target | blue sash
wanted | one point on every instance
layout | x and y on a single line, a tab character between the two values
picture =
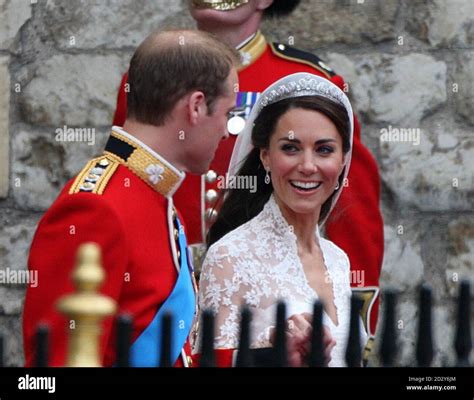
146	350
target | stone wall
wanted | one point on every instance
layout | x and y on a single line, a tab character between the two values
409	65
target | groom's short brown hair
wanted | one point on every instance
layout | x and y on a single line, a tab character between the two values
170	64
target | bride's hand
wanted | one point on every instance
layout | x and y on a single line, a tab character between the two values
299	339
298	336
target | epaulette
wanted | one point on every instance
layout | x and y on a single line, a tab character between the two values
304	57
94	176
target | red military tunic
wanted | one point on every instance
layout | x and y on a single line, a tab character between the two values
356	223
126	208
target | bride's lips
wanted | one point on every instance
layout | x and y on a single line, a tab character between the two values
305	187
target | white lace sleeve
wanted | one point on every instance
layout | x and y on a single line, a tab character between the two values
221	291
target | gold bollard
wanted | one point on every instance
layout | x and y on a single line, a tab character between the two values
86	308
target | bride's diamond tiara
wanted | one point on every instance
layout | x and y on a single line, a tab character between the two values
303	87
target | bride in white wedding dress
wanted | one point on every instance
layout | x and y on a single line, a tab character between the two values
265	245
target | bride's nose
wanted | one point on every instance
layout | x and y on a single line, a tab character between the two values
307	164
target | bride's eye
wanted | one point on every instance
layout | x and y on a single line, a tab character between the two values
325	150
289	148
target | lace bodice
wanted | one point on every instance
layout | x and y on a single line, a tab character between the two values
257	264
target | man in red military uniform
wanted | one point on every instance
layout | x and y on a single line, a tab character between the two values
356	224
122	200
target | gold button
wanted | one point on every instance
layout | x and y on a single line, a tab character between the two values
104	162
179	254
211	215
211	196
211	176
176	233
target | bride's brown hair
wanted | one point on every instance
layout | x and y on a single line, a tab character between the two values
240	206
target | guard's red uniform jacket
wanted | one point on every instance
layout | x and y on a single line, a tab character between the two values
356	223
118	202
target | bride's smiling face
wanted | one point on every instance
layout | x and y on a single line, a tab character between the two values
305	159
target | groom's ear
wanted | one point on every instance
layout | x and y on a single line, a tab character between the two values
196	106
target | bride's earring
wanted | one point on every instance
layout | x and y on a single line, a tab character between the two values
337	186
267	177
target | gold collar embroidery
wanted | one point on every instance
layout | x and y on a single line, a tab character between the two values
143	162
252	50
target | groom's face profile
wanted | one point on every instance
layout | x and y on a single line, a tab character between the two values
305	159
210	127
